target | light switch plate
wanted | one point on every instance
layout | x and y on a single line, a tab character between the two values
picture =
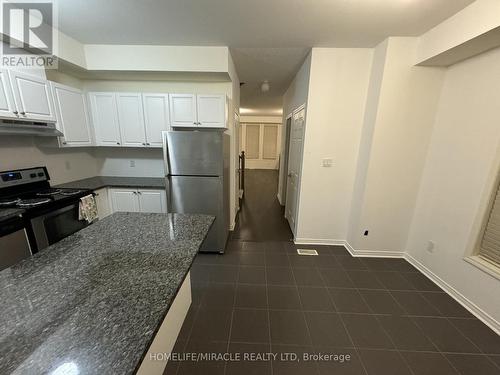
327	163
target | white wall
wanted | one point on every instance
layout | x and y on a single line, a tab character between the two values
261	119
403	124
337	95
463	158
294	97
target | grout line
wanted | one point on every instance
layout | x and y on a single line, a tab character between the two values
267	314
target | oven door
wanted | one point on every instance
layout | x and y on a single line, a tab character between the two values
56	225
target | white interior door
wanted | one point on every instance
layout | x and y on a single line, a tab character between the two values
72	118
183	110
7	106
152	201
294	168
123	200
131	119
105	117
156	117
33	97
211	111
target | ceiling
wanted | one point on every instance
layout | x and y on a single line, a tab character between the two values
268	38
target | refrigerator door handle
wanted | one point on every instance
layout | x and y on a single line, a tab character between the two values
168	191
166	160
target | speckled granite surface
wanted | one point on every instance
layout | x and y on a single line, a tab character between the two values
91	304
9	213
98	182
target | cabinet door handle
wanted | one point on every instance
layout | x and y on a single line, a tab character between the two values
117	143
64	143
15	112
144	144
147	143
23	113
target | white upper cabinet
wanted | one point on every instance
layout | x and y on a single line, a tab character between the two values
183	110
131	119
211	111
156	117
7	105
32	97
105	118
72	116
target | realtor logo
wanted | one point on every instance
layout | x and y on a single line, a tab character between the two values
28	33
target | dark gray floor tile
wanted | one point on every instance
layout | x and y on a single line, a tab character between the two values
200	274
283	297
495	359
234	246
315	299
230	258
468	364
376	264
348	262
274	247
219	295
393	280
251	296
445	336
336	278
428	363
223	273
364	279
253	247
307	277
327	329
277	260
279	276
339	250
414	304
400	265
206	258
197	293
446	305
203	367
247	366
290	247
405	334
288	327
250	326
188	324
366	331
421	282
384	362
211	325
340	361
252	275
301	260
381	302
348	300
249	258
284	366
480	334
325	261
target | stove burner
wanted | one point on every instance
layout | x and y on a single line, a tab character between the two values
48	192
25	203
69	192
9	202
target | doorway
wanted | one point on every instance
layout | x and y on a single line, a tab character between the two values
293	176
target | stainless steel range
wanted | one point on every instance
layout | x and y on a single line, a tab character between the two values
46	214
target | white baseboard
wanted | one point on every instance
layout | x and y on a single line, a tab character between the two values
459	297
455	294
279	199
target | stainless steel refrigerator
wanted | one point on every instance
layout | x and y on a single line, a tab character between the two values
197	179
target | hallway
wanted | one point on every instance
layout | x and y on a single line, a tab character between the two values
367	316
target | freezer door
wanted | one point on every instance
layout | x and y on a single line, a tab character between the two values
200	195
193	153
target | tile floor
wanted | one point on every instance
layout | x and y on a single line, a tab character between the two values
261	296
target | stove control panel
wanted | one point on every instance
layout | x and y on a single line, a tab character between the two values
23	176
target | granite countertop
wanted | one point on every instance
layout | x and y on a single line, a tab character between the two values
98	182
9	213
93	302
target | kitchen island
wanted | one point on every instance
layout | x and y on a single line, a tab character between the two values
94	302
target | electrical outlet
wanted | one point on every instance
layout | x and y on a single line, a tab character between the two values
132	163
431	247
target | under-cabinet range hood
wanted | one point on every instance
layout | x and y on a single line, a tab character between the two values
40	129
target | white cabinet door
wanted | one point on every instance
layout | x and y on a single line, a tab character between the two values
156	117
183	110
153	201
105	118
124	200
7	105
211	111
32	96
72	116
103	204
131	119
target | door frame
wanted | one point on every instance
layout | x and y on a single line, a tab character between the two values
299	182
286	155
